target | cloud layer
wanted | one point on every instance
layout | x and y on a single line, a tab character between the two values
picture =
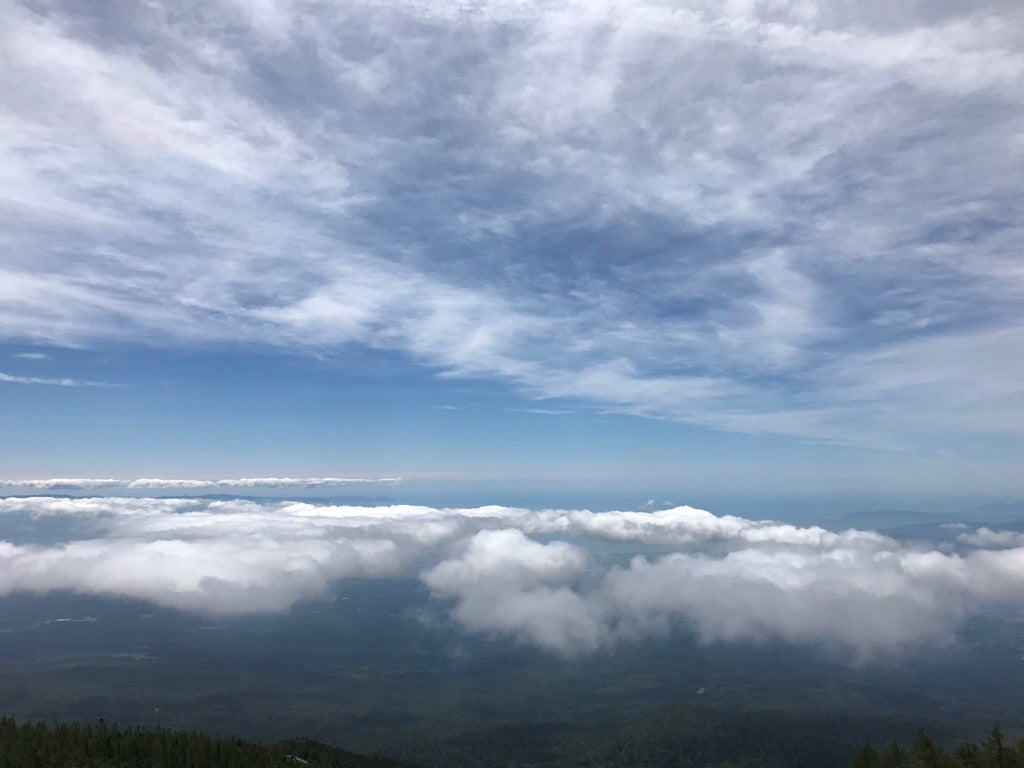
799	219
65	382
154	483
544	578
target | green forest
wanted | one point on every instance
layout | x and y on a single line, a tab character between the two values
992	752
39	745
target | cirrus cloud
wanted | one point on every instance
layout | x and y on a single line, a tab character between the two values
798	220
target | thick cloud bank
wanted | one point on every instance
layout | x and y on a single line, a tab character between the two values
546	578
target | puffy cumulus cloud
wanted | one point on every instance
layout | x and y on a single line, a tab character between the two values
506	583
152	483
856	591
535	576
225	575
507	556
990	539
862	601
228	557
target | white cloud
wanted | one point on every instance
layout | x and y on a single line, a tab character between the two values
823	198
505	583
507	556
862	601
66	382
152	483
986	538
55	483
535	576
227	575
263	482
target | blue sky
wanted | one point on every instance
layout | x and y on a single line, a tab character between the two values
513	250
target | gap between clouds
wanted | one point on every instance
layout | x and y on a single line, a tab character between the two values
540	577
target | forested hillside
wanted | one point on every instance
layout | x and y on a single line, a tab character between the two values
993	752
37	745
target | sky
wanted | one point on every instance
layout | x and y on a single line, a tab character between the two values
574	254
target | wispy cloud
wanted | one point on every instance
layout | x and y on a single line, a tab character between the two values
148	483
33	356
799	220
62	483
65	382
546	411
534	576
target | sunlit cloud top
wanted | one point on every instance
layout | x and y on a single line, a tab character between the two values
568	581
